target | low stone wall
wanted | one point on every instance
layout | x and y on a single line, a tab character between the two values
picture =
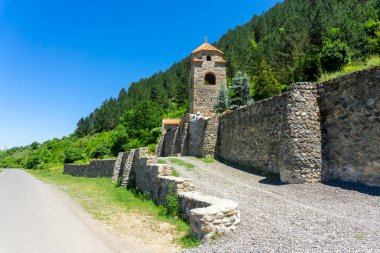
277	135
207	215
350	120
96	168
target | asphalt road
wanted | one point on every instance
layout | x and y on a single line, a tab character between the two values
34	218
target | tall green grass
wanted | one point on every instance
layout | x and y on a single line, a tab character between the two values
352	67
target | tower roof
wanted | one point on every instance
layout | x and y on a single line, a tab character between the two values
207	47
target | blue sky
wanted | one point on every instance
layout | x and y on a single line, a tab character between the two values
60	59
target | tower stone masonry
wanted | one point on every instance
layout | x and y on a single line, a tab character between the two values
207	74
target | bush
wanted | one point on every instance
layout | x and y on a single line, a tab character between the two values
100	152
72	155
334	55
172	206
31	162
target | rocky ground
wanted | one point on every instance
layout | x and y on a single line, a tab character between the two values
289	218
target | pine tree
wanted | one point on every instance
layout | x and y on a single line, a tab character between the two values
239	91
222	100
266	85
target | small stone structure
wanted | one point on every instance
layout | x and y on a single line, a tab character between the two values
208	74
96	168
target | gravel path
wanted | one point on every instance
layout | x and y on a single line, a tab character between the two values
288	218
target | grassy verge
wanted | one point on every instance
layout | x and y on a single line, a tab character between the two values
101	198
182	163
207	159
162	161
352	67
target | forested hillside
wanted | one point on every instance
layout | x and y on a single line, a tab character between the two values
298	40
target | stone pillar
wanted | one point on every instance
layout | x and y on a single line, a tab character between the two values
302	162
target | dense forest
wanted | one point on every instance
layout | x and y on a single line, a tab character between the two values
296	40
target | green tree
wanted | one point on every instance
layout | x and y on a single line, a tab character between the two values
239	95
372	29
222	100
334	55
265	83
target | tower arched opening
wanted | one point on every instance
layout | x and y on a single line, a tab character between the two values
210	79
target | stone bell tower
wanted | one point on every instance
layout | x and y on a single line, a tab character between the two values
207	74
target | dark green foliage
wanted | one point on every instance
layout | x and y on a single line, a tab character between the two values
309	68
222	100
372	28
239	94
335	55
100	152
120	143
265	82
72	155
84	127
35	145
172	206
31	162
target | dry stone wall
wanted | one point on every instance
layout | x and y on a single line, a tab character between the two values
96	168
278	135
207	215
350	114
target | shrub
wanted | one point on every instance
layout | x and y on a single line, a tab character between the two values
72	155
172	204
100	152
32	161
334	55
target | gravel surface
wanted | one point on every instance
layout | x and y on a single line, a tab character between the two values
289	218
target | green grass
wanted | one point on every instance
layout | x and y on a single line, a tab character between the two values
207	159
175	173
102	198
182	163
352	67
162	161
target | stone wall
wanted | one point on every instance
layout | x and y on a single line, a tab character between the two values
277	135
350	114
207	215
96	168
172	142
